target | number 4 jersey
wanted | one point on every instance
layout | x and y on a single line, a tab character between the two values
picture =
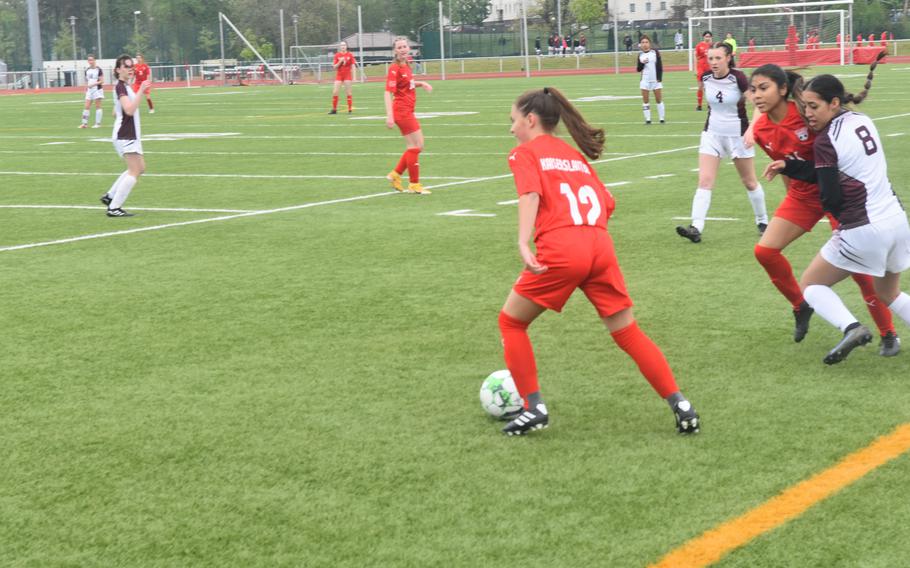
570	192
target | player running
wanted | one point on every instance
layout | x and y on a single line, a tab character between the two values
564	205
652	73
873	236
726	89
344	63
126	137
400	99
701	64
141	73
94	91
783	134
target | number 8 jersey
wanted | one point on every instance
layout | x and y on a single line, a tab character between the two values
571	194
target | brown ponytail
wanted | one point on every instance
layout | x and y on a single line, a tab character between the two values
860	96
551	106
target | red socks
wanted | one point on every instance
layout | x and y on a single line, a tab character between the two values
335	102
350	103
519	354
651	362
413	164
878	310
701	94
778	268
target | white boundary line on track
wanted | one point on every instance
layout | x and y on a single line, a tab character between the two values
298	207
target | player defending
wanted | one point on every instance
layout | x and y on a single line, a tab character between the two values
652	73
94	91
126	137
400	100
141	73
701	64
565	206
344	64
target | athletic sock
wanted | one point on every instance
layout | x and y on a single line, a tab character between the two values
829	306
335	102
660	111
647	110
519	354
402	162
700	95
781	273
149	101
124	187
757	198
414	165
651	362
113	190
350	103
877	309
85	114
901	307
700	205
99	114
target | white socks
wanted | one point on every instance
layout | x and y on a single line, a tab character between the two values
121	190
901	307
646	108
660	111
85	116
113	190
829	306
98	114
700	205
757	197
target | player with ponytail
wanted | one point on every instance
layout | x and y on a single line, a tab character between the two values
565	207
873	236
782	133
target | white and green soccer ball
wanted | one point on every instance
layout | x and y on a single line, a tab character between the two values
499	397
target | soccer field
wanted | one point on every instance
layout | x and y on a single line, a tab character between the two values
276	362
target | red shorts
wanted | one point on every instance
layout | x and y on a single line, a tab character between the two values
577	257
804	211
406	122
343	75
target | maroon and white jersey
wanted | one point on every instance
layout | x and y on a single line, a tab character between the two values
726	98
851	144
126	127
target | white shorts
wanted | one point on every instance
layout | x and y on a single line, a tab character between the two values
128	147
724	146
94	93
876	248
645	85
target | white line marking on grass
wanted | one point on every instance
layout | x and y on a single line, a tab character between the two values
617	183
101	208
208	153
220	94
240	176
194	222
659	176
892	116
466	213
56	102
707	218
895	134
509	202
54	144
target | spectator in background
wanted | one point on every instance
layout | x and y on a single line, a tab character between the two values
871	40
627	41
752	45
537	45
859	40
730	41
678	39
884	39
582	44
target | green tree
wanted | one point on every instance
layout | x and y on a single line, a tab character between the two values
207	44
63	43
472	12
587	12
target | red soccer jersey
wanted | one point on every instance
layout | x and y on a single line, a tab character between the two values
343	71
141	72
701	55
400	82
571	194
791	139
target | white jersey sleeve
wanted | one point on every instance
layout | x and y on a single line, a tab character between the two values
852	145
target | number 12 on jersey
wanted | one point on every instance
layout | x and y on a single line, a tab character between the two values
587	196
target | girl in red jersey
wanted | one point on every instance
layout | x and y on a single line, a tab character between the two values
783	134
701	64
344	63
563	203
399	111
141	72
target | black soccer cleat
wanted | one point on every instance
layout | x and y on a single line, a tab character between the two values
333	111
855	336
647	122
698	107
106	199
118	212
662	121
761	228
536	419
890	345
802	315
689	232
687	420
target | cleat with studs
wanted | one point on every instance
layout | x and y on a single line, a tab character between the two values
531	419
689	232
890	345
802	315
687	420
856	335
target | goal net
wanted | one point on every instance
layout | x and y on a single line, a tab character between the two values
314	61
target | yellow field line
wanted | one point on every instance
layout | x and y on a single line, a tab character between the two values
717	542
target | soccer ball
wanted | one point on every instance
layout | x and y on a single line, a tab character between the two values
499	397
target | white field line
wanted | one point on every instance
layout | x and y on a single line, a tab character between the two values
895	134
892	116
102	208
707	218
295	207
239	176
203	153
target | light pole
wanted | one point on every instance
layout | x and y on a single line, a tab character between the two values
98	22
338	10
296	19
136	22
72	20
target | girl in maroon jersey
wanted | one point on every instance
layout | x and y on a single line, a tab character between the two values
564	205
783	134
344	64
400	99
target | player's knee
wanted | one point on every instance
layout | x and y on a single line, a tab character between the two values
507	323
766	255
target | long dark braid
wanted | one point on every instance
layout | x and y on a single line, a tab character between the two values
829	87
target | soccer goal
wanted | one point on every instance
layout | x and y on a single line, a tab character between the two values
263	68
314	60
813	33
